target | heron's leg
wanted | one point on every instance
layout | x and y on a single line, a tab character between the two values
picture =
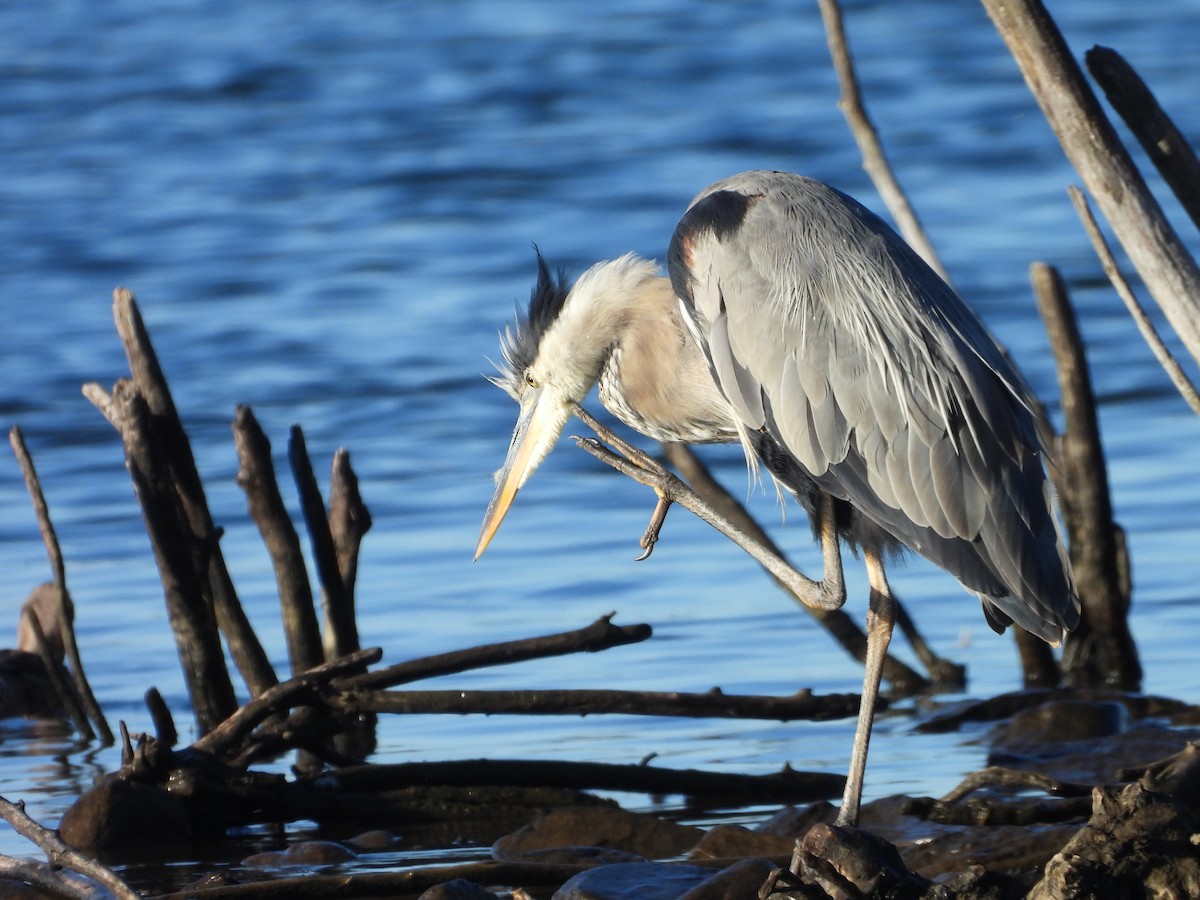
881	616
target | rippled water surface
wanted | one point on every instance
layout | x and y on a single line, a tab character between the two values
326	212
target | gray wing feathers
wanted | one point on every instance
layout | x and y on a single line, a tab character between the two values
882	384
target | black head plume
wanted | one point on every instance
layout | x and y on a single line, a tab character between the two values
520	344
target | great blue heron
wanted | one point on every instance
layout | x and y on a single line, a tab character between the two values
798	323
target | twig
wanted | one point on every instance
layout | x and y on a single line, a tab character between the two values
874	159
1167	148
600	635
714	704
338	611
59	854
65	609
1174	371
217	586
1108	172
256	478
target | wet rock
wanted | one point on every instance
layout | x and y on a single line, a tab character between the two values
728	841
375	840
118	813
1058	722
634	881
1137	844
647	836
741	880
792	822
302	853
458	889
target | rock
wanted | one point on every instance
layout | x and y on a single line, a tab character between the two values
793	823
118	813
741	880
458	889
375	840
634	881
728	841
302	853
1060	721
647	836
1136	844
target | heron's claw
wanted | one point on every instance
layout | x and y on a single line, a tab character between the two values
650	538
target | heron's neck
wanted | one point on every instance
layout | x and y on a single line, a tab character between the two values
607	302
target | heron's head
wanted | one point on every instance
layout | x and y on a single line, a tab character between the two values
552	358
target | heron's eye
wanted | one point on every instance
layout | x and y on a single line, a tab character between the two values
530	380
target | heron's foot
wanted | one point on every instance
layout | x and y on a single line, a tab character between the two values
650	538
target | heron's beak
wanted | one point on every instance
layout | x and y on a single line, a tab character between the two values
538	427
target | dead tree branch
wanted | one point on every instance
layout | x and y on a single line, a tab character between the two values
1091	144
1167	148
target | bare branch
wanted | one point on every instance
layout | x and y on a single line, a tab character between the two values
874	159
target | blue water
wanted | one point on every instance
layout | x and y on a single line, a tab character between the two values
326	212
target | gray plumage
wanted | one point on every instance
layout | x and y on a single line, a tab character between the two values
854	370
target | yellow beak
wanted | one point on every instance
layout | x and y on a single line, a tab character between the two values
532	439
